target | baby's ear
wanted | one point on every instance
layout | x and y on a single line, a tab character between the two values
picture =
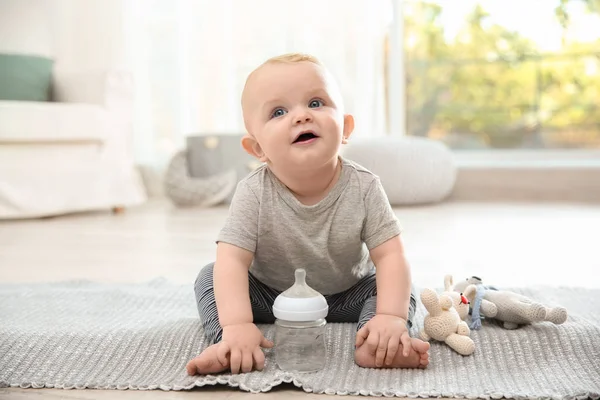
252	147
348	125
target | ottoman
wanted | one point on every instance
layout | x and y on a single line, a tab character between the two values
412	170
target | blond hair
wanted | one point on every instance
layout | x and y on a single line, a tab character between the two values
292	58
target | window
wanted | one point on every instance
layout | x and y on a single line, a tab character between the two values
503	74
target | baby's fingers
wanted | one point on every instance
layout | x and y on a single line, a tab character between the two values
372	342
247	359
361	336
406	343
382	347
264	342
259	359
222	352
235	361
392	349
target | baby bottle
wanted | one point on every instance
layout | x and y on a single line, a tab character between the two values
300	323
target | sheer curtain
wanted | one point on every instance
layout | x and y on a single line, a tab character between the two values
191	59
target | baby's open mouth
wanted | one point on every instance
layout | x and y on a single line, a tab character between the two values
304	137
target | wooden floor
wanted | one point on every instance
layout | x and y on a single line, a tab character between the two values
505	244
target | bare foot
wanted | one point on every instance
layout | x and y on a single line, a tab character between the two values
206	363
422	348
418	356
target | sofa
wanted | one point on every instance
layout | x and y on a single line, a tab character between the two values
70	154
66	129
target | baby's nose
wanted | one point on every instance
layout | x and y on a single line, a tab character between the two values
303	119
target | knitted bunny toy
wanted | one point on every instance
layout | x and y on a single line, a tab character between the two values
513	309
444	324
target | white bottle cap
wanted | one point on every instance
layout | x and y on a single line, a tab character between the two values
300	303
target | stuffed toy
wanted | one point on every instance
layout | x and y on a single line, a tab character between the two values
511	308
478	306
461	301
444	324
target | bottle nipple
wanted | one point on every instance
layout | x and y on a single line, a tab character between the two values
300	302
300	275
300	288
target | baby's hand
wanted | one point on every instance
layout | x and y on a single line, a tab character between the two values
241	342
383	335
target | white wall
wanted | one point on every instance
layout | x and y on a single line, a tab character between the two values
89	34
78	34
25	27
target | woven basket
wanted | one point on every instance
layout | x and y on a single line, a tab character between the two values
187	191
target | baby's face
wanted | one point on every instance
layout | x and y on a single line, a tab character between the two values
293	112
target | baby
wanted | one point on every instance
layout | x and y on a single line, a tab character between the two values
305	207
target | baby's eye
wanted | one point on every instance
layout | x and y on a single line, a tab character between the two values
278	112
315	103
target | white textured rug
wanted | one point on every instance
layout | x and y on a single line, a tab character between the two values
87	335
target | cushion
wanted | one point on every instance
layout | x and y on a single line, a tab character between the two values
412	170
51	122
25	77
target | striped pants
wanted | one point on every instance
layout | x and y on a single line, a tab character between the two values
356	304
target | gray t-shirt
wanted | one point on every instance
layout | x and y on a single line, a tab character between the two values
330	240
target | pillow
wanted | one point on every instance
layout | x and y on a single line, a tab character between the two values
412	170
25	77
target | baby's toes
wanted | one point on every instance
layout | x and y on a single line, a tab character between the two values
420	346
424	361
